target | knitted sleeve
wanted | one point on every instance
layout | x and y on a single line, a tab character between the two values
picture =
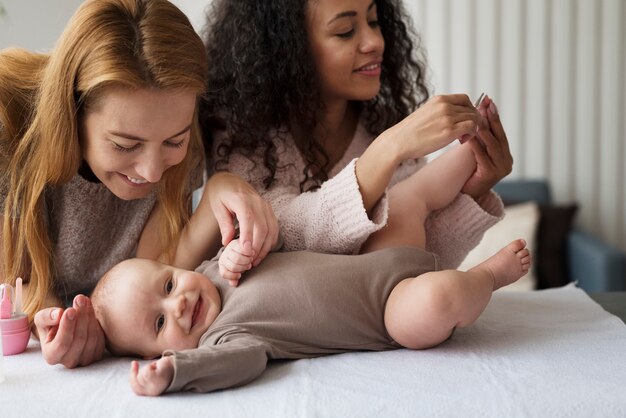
330	219
333	219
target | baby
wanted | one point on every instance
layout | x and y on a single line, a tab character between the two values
212	333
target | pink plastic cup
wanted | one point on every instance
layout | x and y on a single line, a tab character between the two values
15	334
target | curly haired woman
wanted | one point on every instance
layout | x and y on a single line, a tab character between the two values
322	105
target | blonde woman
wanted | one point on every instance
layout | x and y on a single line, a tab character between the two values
99	154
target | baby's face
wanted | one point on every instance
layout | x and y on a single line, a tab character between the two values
154	307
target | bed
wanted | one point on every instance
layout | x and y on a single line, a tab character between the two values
553	352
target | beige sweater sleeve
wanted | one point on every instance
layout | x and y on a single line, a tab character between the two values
330	219
209	368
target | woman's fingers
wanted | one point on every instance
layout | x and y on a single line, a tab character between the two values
247	217
260	231
225	220
55	349
71	337
46	323
498	130
257	224
94	343
434	125
271	237
491	150
483	160
76	347
455	99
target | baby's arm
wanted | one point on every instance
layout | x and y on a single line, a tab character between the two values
153	379
235	260
237	360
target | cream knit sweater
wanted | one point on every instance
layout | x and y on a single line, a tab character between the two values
333	219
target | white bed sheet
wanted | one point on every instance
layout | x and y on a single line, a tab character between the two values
548	353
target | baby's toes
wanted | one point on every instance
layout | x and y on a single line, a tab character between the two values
517	246
523	253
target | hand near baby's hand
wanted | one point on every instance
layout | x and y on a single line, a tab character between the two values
235	260
71	337
232	197
153	379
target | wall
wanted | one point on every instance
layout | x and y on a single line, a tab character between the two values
556	68
36	24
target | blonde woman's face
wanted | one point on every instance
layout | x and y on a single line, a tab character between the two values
133	136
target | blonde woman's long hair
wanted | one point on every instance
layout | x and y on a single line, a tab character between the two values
107	43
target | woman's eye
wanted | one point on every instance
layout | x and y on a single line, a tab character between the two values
169	285
374	23
120	148
159	323
346	35
178	144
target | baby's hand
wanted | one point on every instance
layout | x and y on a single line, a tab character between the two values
153	379
235	260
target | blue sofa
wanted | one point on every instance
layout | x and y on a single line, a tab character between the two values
593	263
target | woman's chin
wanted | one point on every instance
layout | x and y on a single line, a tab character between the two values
126	192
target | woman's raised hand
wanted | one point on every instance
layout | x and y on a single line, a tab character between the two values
71	337
491	150
232	197
434	125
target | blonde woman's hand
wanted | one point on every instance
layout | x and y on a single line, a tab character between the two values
491	150
153	379
434	125
233	198
71	337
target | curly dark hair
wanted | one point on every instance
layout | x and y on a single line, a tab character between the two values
262	78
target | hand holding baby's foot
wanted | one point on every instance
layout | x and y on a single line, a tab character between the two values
153	379
508	264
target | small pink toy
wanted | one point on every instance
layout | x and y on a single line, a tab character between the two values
14	327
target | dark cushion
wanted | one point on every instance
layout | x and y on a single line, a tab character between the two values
550	255
555	223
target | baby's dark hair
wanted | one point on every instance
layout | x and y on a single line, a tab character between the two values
262	78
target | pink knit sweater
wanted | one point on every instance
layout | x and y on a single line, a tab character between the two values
333	219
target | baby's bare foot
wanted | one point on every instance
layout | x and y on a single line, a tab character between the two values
507	265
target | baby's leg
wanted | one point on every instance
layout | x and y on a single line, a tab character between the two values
411	201
422	312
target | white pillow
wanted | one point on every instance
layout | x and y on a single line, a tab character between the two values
520	221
